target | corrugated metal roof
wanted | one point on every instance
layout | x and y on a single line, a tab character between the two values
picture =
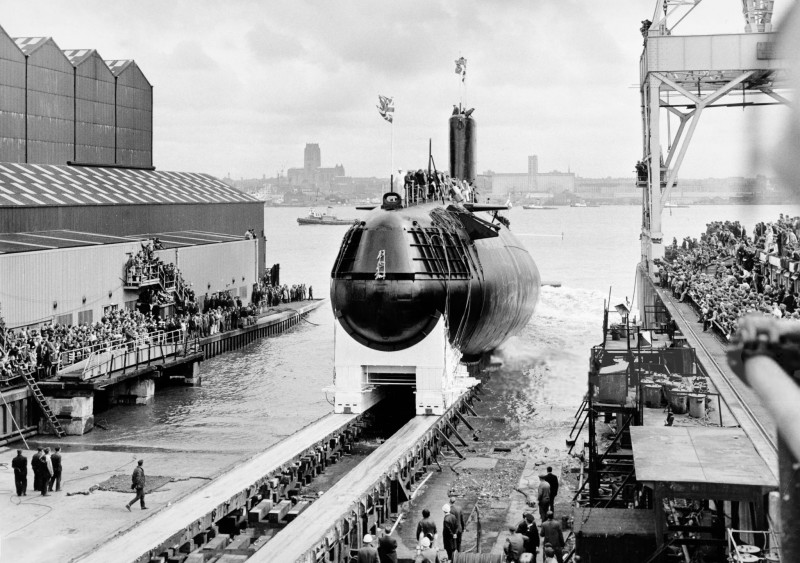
77	56
48	240
117	66
30	44
34	185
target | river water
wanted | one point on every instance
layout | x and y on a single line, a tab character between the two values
251	398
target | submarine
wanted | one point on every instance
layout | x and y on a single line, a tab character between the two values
426	282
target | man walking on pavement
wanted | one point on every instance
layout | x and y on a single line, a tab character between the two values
457	511
552	534
553	481
55	459
20	465
543	497
449	531
138	482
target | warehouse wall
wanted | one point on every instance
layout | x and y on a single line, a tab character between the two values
50	91
12	100
48	284
94	111
134	107
212	268
226	218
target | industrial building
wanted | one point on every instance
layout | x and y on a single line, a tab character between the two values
79	193
60	107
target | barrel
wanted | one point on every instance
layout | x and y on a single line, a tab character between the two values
697	405
652	395
679	403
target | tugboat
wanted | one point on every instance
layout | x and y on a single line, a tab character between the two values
314	217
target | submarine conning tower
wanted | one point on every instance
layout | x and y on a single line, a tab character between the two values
462	145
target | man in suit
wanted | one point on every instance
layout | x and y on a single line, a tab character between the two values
543	497
553	482
552	534
527	527
138	482
449	529
458	512
387	547
36	467
55	459
20	466
426	527
515	546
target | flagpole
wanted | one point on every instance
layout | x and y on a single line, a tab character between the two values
391	152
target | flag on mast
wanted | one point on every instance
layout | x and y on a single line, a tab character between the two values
461	67
386	109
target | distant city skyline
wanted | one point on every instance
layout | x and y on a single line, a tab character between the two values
241	87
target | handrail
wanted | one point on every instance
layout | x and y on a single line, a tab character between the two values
75	355
158	341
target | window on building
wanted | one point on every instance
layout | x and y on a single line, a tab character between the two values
131	305
65	319
243	292
85	317
110	308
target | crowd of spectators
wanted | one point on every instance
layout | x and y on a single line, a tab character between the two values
421	186
723	278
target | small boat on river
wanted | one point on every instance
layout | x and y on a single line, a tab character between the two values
314	217
537	206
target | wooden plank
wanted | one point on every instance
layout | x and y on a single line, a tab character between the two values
163	525
308	528
280	511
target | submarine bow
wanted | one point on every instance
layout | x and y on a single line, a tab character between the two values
400	269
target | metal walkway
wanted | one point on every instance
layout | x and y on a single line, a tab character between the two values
305	532
136	543
740	399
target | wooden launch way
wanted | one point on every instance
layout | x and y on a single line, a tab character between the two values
309	530
172	525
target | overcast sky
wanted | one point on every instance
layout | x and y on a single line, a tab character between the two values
241	86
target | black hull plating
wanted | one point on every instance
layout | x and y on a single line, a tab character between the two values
433	265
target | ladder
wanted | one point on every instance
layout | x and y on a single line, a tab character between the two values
42	400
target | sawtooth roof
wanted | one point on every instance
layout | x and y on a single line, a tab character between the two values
39	185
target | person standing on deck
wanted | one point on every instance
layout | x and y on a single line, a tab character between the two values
552	534
553	481
46	469
368	553
387	547
458	512
56	461
543	497
138	482
36	465
449	531
20	465
426	527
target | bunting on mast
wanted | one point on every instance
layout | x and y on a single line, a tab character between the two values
386	108
461	67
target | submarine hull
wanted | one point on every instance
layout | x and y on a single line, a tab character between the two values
400	270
